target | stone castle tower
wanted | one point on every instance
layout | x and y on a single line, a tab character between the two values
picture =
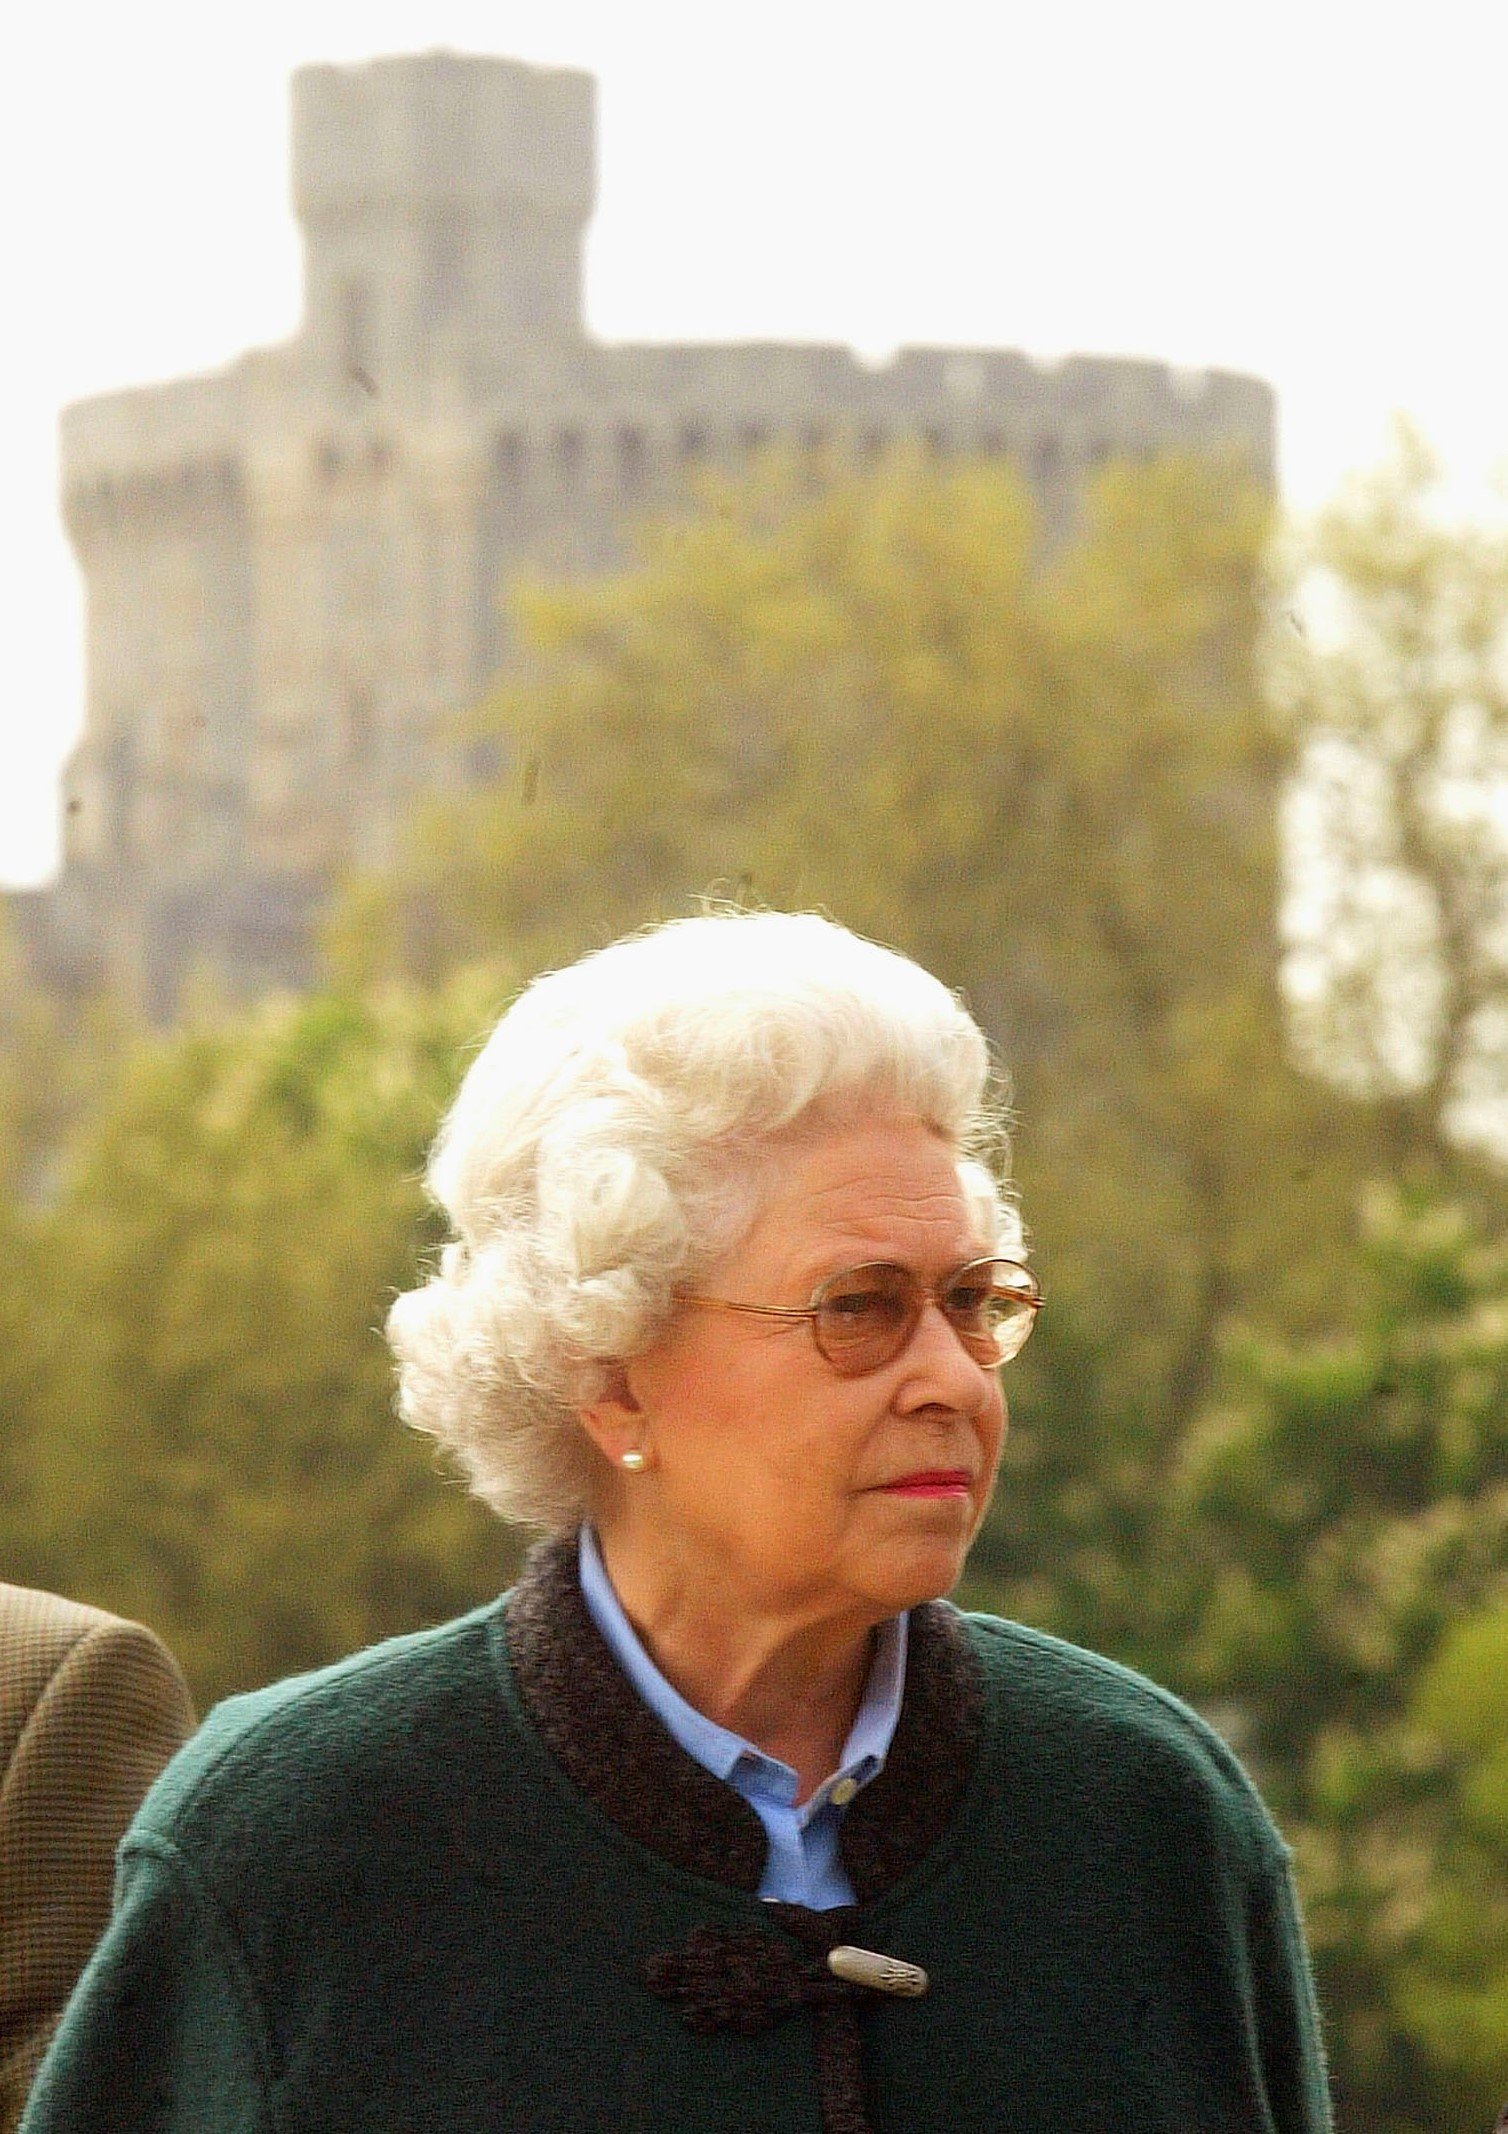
293	565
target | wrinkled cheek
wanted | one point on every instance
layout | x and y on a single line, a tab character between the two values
993	1442
979	1514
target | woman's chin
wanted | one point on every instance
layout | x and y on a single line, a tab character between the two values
919	1567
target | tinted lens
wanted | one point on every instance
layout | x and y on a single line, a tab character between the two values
865	1317
992	1307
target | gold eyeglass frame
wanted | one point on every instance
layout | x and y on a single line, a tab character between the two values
1026	1290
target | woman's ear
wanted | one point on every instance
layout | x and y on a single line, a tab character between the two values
612	1418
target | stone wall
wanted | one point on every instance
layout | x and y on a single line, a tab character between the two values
293	566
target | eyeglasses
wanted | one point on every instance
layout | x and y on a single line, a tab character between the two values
862	1318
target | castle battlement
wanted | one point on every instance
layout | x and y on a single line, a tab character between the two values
442	132
148	427
294	565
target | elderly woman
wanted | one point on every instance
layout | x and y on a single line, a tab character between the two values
723	1818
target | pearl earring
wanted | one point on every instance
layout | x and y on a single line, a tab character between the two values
635	1462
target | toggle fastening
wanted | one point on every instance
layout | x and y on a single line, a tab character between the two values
882	1974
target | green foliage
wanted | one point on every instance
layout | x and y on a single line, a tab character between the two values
1339	1537
1389	667
206	1428
881	696
1450	1988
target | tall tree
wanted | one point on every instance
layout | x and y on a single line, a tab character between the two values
1334	1520
1448	1990
205	1414
1390	667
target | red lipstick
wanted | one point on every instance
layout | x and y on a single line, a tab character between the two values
931	1482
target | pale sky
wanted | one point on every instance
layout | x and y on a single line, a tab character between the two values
1314	192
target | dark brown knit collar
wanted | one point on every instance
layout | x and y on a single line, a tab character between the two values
614	1748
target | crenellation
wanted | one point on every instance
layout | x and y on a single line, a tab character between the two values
148	426
294	564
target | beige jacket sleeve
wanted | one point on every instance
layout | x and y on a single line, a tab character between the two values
91	1708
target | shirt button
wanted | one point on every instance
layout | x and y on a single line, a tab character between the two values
843	1792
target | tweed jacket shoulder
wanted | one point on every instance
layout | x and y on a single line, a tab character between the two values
468	1880
91	1708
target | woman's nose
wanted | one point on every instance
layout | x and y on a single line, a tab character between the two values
937	1357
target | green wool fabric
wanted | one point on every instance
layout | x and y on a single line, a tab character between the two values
368	1901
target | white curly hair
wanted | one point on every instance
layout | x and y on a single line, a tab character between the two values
613	1140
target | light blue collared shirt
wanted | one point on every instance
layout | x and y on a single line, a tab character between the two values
804	1865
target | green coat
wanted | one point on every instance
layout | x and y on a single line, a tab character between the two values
373	1901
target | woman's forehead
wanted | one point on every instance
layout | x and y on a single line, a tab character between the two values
889	1192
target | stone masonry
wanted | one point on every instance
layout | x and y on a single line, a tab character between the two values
294	565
